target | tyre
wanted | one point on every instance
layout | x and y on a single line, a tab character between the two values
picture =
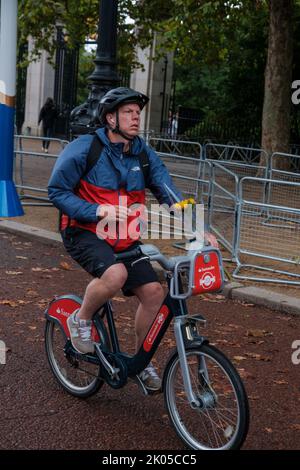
78	377
220	421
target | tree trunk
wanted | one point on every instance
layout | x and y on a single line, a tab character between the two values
278	78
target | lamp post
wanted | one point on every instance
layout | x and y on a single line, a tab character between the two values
10	205
83	118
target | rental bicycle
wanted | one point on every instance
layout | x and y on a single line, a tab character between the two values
204	394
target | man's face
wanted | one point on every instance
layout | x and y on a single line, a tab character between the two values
129	119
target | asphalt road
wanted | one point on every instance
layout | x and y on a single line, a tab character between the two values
37	414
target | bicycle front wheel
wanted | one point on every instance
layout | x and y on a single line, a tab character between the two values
220	420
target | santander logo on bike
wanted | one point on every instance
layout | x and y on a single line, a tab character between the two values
207	280
156	327
61	311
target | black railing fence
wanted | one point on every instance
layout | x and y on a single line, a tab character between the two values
190	124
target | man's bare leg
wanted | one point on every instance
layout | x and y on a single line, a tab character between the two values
99	290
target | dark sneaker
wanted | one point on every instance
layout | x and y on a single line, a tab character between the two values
150	378
80	334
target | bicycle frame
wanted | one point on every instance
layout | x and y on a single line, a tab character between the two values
116	365
185	335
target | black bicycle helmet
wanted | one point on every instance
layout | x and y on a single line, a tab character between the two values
116	97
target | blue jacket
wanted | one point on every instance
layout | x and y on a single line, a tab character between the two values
114	174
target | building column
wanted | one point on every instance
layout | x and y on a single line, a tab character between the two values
156	82
39	86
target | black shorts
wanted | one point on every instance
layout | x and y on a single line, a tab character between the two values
95	256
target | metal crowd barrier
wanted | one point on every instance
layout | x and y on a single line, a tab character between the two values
146	135
241	162
176	147
253	209
235	153
269	243
291	162
222	206
289	194
32	169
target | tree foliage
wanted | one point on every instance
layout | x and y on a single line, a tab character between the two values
200	31
79	19
234	85
220	46
220	53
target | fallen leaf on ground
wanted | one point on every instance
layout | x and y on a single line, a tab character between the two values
255	341
295	427
43	303
258	357
13	303
31	293
280	382
13	273
32	327
245	374
258	333
269	430
65	265
43	270
21	257
239	358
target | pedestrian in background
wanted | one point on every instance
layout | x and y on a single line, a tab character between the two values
174	125
48	115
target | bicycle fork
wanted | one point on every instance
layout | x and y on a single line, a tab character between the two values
182	330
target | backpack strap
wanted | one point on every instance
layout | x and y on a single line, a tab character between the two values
93	156
145	165
94	153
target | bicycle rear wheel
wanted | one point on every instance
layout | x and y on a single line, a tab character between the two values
221	420
77	376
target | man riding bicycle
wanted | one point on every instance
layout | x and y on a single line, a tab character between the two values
87	198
